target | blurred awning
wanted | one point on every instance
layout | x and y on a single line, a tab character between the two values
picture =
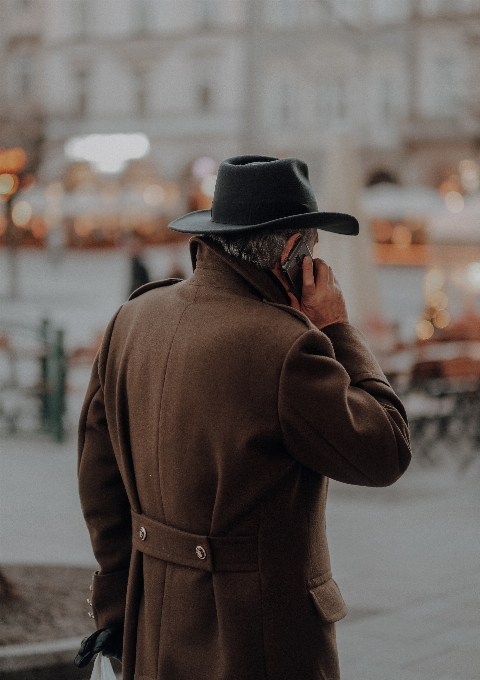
459	228
393	202
94	203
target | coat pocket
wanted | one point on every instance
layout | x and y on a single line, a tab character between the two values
328	601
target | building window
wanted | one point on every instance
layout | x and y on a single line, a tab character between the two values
324	105
287	11
288	105
332	102
141	16
141	91
81	18
445	86
24	76
449	6
205	97
340	99
386	101
82	90
207	12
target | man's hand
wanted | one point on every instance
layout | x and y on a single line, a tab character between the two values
322	299
106	640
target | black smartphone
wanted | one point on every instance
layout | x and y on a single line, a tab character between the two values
292	267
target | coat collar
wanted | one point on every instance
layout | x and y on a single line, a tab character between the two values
211	265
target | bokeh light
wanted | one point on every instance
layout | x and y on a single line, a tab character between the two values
382	230
472	276
8	183
438	299
204	166
401	236
154	194
441	319
21	213
12	160
424	329
454	201
469	175
39	228
434	279
108	153
54	191
208	185
83	225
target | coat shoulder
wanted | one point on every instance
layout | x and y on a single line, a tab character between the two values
150	286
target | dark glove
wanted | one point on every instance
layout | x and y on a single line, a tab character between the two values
106	640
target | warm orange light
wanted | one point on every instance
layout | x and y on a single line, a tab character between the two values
401	236
434	280
472	276
154	194
38	228
382	231
21	213
469	175
8	183
441	319
424	329
454	201
12	160
452	183
83	225
3	224
438	299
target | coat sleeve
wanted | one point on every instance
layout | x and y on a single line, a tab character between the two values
105	506
338	414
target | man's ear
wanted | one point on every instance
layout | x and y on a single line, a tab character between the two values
289	245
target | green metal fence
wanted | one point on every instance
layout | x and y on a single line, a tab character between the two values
33	375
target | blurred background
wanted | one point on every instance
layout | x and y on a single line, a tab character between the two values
114	117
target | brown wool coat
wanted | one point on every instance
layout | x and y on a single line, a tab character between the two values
217	413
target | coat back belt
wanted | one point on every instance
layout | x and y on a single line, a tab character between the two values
210	553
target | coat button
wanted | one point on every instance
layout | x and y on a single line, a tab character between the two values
142	533
89	601
92	616
200	552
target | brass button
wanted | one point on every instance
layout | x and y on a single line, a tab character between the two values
200	552
142	533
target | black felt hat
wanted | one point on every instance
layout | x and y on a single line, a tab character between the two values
259	192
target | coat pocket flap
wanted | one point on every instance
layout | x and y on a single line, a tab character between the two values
329	601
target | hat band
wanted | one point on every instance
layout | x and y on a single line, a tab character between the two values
257	213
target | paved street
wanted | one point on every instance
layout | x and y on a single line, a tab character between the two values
407	558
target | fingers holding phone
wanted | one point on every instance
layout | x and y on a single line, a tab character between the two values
322	299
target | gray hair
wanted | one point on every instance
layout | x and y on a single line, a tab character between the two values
262	248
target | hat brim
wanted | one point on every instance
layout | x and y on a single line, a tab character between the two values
200	222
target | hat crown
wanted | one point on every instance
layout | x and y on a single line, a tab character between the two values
256	189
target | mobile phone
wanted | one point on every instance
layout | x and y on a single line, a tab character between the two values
292	267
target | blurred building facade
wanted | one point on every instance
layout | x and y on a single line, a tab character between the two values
220	77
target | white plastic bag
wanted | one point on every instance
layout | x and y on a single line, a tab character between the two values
102	669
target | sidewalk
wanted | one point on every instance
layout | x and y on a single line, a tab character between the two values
406	558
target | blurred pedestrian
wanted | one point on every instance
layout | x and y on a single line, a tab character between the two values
139	274
217	410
